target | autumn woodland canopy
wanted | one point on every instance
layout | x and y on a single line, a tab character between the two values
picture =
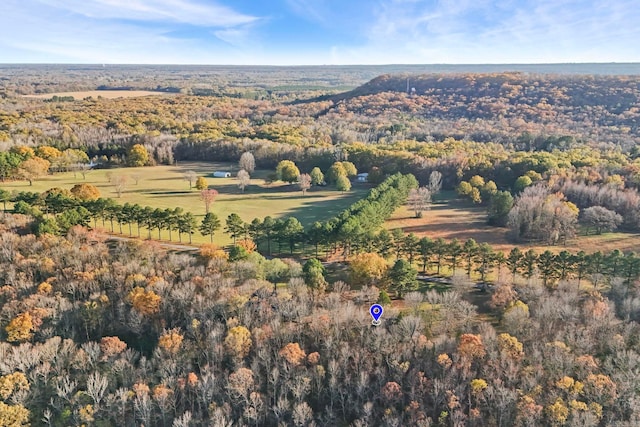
274	328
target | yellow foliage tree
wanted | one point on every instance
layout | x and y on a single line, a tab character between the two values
11	383
133	279
510	346
201	183
565	383
368	268
211	251
557	412
578	406
20	328
137	155
475	195
444	360
85	192
171	341
615	180
600	388
476	181
13	415
145	302
45	288
86	414
238	341
478	385
518	307
47	152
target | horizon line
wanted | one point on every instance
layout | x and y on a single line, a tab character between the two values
106	64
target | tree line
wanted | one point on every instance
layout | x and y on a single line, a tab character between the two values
480	260
67	210
57	210
348	230
354	231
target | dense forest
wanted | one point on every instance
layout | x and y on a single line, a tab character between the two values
132	334
275	328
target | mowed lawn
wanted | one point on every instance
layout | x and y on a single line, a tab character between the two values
452	218
165	187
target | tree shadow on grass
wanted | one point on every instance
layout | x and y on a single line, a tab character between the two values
321	210
255	189
163	179
167	193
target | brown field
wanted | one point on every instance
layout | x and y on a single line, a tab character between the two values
457	219
109	94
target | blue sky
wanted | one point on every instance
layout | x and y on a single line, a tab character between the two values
300	32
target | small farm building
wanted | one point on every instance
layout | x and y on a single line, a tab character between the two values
221	174
362	177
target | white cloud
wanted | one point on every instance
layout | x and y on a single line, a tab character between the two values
309	9
483	31
180	11
53	35
372	32
240	37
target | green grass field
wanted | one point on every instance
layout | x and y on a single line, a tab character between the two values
165	187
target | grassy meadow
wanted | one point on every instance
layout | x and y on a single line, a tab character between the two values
165	187
453	218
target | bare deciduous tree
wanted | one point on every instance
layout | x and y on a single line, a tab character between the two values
304	182
538	215
247	162
96	387
602	219
190	176
435	182
119	183
419	200
208	196
84	169
243	179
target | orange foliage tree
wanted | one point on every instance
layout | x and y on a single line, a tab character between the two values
293	354
112	346
33	168
211	251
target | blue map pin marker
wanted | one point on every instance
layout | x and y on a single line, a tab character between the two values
376	312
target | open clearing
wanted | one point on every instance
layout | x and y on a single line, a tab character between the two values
108	94
452	218
164	187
